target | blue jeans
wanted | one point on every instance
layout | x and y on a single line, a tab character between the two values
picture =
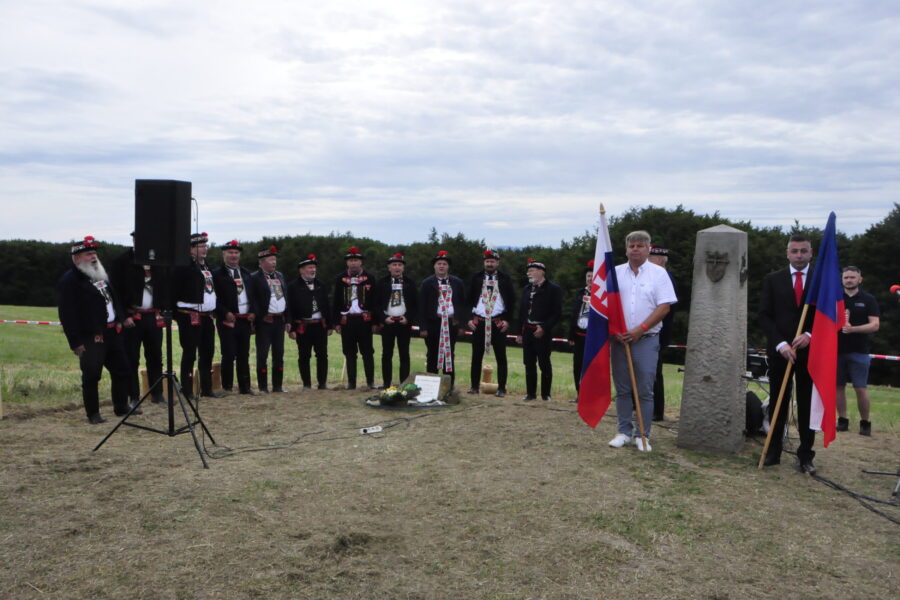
644	356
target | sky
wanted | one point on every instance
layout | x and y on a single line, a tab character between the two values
507	121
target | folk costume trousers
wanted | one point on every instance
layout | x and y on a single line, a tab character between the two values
432	344
109	353
578	358
356	336
198	343
400	334
270	336
314	337
235	344
536	353
147	333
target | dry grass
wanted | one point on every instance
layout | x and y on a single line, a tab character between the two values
493	499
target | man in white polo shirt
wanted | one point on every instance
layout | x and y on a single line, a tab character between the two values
647	294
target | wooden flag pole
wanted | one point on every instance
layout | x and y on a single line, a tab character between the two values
634	395
784	382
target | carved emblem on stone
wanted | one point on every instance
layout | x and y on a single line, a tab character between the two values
716	262
745	272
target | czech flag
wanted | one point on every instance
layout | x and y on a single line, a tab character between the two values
605	320
827	294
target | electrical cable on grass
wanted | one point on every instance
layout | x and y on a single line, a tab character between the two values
226	451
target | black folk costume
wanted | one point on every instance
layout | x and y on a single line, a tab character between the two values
395	301
310	311
235	312
442	305
141	290
269	292
195	306
492	301
540	306
352	305
91	317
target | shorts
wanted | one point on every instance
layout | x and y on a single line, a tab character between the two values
853	367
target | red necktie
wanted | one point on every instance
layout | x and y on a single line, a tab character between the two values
798	286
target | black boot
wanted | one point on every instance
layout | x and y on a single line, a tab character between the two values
322	373
351	373
305	375
865	428
262	380
843	424
277	377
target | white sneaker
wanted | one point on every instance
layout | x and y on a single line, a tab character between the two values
620	440
640	444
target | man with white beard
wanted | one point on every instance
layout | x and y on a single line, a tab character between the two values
91	318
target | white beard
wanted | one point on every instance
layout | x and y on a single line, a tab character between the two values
94	271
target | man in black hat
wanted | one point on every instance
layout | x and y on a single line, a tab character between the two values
195	305
269	290
140	288
540	309
578	323
660	257
91	318
308	305
352	314
396	302
442	305
492	299
235	313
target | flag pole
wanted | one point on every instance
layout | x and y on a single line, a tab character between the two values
784	382
634	394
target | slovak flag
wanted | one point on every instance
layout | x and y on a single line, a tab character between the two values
604	321
827	294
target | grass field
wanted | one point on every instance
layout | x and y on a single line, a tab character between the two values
38	370
493	499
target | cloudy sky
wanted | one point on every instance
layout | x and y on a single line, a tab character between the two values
509	121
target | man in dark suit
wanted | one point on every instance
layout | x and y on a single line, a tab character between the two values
780	308
91	318
269	291
195	306
308	305
352	304
235	313
442	305
540	309
140	288
395	311
492	301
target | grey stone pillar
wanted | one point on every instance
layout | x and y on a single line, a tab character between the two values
713	401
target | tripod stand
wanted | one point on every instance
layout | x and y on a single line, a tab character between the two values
174	389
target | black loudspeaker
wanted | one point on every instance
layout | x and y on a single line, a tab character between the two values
162	222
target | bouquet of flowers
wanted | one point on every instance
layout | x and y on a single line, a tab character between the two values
399	395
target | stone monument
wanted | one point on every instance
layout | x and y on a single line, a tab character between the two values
713	401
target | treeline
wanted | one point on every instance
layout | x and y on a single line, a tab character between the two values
29	269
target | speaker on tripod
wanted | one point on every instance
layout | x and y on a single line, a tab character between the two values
162	222
162	238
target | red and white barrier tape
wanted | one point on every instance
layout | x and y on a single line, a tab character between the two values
511	337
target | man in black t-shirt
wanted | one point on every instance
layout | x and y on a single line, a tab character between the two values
853	348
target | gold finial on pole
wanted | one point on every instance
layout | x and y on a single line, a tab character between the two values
602	209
